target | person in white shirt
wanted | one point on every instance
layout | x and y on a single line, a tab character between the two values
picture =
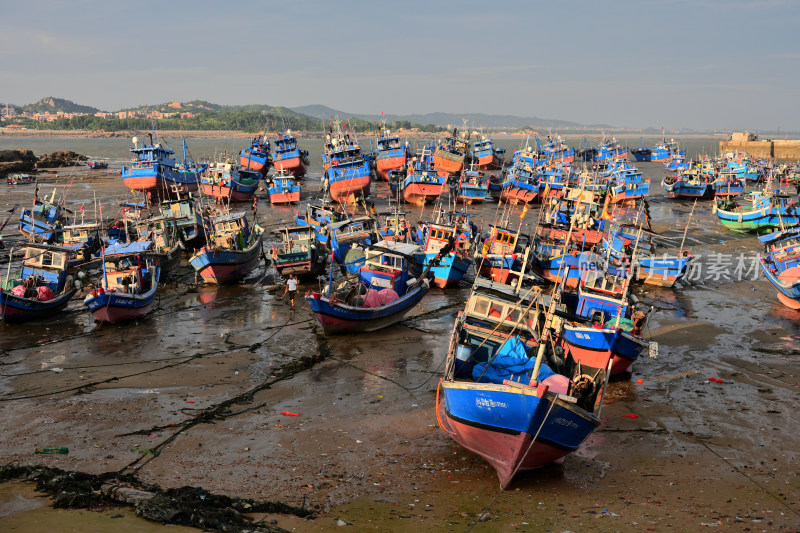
291	288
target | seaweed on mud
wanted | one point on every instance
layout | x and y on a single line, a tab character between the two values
190	506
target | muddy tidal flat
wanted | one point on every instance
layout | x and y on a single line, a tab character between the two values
232	390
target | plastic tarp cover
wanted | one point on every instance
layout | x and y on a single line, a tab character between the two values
375	298
512	363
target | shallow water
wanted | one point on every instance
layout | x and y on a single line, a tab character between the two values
366	434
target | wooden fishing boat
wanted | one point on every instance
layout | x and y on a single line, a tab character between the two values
520	183
503	255
282	189
556	150
186	213
473	186
42	286
20	179
446	250
603	323
154	170
660	152
221	180
299	253
44	221
388	286
780	264
448	156
485	156
129	286
392	153
233	250
517	410
422	183
766	211
288	157
688	184
97	165
256	156
165	238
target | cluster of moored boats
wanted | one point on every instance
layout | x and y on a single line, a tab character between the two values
550	315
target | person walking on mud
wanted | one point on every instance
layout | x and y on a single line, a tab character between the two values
291	288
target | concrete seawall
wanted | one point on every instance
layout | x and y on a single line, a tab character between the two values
782	150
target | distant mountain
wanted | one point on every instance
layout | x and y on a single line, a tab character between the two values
54	105
474	120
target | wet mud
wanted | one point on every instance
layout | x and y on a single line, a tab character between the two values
231	390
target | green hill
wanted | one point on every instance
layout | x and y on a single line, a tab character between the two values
54	105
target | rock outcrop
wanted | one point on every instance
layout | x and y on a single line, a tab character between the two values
60	159
12	161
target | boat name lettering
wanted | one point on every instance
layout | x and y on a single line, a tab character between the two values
487	402
564	422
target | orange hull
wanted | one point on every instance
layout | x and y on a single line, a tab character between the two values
142	183
294	165
284	198
488	162
347	191
385	165
447	163
517	196
249	164
420	193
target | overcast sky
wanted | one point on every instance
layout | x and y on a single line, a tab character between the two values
706	64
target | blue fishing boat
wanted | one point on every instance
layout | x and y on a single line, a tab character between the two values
347	170
392	154
188	219
556	150
288	157
256	156
606	150
603	323
621	242
503	255
423	183
507	395
727	184
780	264
661	152
447	251
233	249
154	170
43	223
389	285
282	189
485	155
129	285
40	288
224	181
299	253
764	212
688	184
473	186
347	240
626	183
97	165
520	183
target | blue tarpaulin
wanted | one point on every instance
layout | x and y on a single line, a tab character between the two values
512	363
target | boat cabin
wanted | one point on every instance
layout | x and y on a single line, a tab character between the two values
388	265
48	263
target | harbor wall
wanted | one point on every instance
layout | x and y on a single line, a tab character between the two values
782	150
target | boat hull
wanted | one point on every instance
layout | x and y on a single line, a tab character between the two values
16	309
513	429
337	318
220	266
348	190
421	193
446	163
295	165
